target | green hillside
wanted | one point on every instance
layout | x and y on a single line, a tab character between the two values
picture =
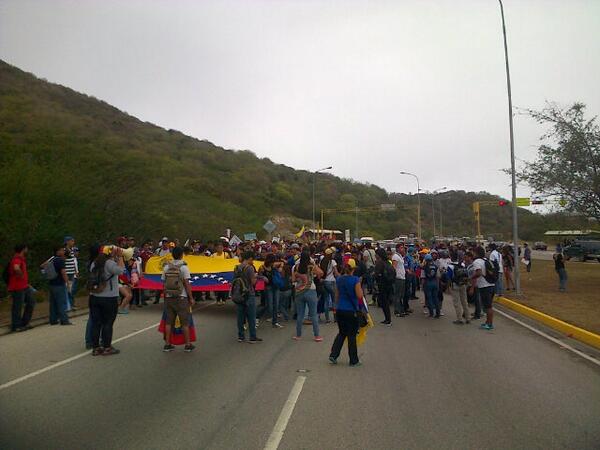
74	164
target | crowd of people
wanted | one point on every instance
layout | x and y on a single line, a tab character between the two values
309	282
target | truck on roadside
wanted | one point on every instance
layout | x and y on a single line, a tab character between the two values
583	250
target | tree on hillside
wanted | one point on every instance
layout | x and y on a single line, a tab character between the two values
568	161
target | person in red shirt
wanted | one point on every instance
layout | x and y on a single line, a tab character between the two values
20	290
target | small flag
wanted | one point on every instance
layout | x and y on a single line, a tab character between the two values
300	233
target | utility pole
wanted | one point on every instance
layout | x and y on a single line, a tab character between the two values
515	223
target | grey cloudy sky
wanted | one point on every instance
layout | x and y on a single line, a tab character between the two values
371	88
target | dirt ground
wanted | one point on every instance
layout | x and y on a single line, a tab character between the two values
579	305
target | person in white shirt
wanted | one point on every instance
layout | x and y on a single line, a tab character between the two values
484	287
399	283
496	256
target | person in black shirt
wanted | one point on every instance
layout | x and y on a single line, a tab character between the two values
384	285
58	289
559	267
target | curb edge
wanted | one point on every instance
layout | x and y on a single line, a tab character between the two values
565	328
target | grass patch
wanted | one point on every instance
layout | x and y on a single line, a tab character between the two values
579	306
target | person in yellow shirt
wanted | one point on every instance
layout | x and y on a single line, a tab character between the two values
219	253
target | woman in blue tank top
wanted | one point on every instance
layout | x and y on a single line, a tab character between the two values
349	296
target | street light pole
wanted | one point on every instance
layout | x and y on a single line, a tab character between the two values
515	223
313	196
418	202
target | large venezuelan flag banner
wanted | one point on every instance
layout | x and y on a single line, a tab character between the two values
208	274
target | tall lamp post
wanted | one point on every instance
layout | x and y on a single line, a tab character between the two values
418	202
313	199
515	224
433	194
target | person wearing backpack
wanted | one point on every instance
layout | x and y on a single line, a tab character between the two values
458	289
244	296
103	287
178	299
497	260
17	281
269	272
483	281
56	274
385	274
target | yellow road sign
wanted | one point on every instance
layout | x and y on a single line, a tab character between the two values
523	201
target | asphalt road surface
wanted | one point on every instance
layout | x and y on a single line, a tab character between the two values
424	384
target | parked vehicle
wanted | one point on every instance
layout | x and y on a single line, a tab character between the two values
540	246
583	250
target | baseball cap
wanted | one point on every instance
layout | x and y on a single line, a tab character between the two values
428	257
328	251
294	245
352	263
68	238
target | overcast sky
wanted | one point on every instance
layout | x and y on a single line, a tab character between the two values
371	88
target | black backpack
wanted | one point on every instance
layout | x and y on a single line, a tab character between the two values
96	283
460	275
492	270
389	273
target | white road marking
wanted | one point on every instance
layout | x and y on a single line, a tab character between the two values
68	360
550	338
81	355
286	413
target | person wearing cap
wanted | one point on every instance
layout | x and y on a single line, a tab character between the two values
164	248
329	267
349	295
72	269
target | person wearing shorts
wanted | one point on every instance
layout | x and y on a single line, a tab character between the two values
484	288
178	305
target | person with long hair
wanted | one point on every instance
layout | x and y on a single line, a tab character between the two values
349	304
509	263
329	267
303	276
267	273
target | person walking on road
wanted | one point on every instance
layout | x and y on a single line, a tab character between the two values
104	301
58	288
485	288
349	304
431	286
72	269
559	267
20	290
329	266
400	308
385	276
246	311
178	299
496	258
460	279
303	276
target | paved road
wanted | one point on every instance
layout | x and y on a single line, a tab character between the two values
424	384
